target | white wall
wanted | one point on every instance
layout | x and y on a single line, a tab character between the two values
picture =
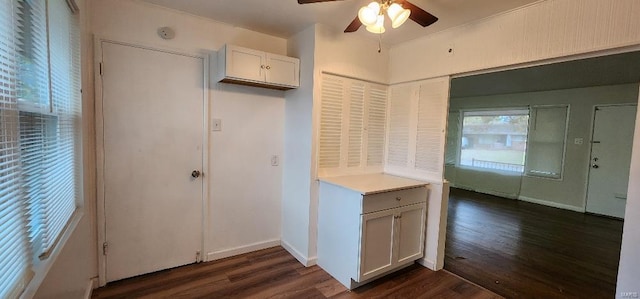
297	161
320	49
570	192
629	271
545	30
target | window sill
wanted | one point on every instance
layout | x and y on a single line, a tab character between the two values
41	268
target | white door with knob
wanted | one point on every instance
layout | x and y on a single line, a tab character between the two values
151	122
611	145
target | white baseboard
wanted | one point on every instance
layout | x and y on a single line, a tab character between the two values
91	285
307	262
427	264
551	204
220	254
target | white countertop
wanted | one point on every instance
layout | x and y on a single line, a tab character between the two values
373	183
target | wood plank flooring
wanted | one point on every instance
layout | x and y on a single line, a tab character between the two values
274	273
523	250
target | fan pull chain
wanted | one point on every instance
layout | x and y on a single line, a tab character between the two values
379	43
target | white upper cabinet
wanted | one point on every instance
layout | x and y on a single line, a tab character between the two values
257	68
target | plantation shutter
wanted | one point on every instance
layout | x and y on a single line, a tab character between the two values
356	123
15	257
399	126
376	123
330	122
432	121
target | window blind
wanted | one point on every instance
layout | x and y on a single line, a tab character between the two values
39	133
15	258
546	145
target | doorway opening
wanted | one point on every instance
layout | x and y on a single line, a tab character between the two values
520	227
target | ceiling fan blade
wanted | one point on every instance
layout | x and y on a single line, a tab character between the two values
354	26
418	14
314	1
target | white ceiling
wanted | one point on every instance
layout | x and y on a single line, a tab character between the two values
284	18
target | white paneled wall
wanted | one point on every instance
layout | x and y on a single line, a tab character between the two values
352	126
417	126
544	30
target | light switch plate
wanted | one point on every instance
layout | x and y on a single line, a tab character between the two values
216	124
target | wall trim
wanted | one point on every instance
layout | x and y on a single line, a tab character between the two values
427	264
91	285
220	254
307	262
551	204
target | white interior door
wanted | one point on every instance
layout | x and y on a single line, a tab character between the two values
610	160
152	111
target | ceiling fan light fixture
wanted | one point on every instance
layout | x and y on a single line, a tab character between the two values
368	15
397	14
378	27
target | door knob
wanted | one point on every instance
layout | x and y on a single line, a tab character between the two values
594	166
195	173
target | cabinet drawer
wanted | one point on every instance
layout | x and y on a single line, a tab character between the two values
389	200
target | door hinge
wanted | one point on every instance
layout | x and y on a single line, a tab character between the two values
105	246
100	68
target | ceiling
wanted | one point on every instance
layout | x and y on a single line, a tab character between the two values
284	18
606	70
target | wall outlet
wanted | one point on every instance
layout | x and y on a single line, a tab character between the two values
275	160
578	141
216	124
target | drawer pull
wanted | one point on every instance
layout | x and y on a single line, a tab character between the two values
398	198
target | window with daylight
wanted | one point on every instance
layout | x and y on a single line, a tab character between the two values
495	139
40	118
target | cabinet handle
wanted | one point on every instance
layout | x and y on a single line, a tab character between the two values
398	198
268	67
262	67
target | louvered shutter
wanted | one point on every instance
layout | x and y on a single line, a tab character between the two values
399	125
356	123
376	124
432	116
330	122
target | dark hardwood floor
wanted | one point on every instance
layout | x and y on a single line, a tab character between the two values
523	250
274	273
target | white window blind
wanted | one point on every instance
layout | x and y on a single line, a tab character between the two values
15	257
546	146
39	133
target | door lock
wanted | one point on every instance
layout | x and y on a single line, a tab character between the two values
195	174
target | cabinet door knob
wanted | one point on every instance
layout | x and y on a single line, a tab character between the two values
262	66
398	198
268	67
195	174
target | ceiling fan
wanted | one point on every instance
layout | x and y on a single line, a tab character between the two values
372	15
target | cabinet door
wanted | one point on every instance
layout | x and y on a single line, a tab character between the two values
283	70
410	232
376	244
245	63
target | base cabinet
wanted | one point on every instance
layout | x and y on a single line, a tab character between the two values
364	236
